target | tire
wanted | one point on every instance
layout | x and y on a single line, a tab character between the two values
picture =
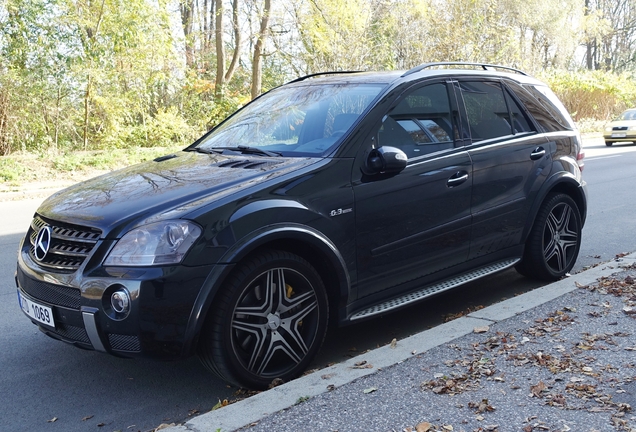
258	331
554	241
609	144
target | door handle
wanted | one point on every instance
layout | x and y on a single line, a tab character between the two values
537	153
457	179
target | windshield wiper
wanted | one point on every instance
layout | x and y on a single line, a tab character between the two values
205	150
251	150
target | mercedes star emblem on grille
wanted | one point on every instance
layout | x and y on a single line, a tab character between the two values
42	243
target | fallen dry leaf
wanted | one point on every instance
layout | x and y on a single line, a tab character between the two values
537	389
53	420
276	382
369	390
87	418
423	427
393	343
483	329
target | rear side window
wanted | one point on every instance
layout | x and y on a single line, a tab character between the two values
552	104
548	116
486	109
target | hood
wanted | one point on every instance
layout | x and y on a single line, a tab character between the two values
622	123
152	187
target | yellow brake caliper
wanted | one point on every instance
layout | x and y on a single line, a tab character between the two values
290	292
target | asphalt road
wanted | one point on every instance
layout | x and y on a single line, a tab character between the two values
42	380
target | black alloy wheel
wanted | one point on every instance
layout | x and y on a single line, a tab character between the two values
554	242
268	322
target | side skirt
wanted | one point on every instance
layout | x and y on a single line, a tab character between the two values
433	289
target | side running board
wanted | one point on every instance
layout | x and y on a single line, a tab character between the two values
436	288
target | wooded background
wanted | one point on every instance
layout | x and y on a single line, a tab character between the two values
105	74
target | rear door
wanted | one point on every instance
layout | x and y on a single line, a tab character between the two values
510	159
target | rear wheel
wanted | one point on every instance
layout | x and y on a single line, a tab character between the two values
268	322
554	242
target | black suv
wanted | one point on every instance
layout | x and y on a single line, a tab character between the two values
328	200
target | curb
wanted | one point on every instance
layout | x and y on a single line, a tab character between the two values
254	408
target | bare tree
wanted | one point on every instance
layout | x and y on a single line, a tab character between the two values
223	77
257	61
186	9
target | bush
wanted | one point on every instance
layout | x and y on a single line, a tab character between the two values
593	95
168	128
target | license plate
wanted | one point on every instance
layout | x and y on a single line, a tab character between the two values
38	312
619	135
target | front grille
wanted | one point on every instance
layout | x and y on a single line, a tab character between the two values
50	293
619	128
70	244
120	342
71	333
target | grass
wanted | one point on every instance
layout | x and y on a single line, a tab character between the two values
20	168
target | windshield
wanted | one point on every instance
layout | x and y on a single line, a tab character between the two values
294	121
628	115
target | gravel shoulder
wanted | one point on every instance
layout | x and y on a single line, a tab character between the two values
559	358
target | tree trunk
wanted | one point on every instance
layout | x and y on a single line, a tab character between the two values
186	8
257	62
237	42
222	77
87	97
219	85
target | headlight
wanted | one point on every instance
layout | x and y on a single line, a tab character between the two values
631	128
159	243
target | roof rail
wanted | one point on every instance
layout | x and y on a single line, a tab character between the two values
303	78
484	66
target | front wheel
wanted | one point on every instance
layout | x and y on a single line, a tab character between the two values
268	321
554	242
608	143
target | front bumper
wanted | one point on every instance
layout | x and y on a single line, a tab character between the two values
622	136
162	300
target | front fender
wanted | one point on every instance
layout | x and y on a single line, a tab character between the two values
272	234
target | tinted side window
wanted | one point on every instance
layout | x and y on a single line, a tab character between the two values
520	123
421	123
486	109
552	104
546	122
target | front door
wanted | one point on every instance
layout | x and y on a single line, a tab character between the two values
416	222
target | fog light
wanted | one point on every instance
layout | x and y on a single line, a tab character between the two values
120	301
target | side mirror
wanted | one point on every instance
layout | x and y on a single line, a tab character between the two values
385	160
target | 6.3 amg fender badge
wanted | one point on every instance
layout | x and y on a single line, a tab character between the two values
42	243
340	211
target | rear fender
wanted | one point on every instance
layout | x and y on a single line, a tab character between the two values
562	181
